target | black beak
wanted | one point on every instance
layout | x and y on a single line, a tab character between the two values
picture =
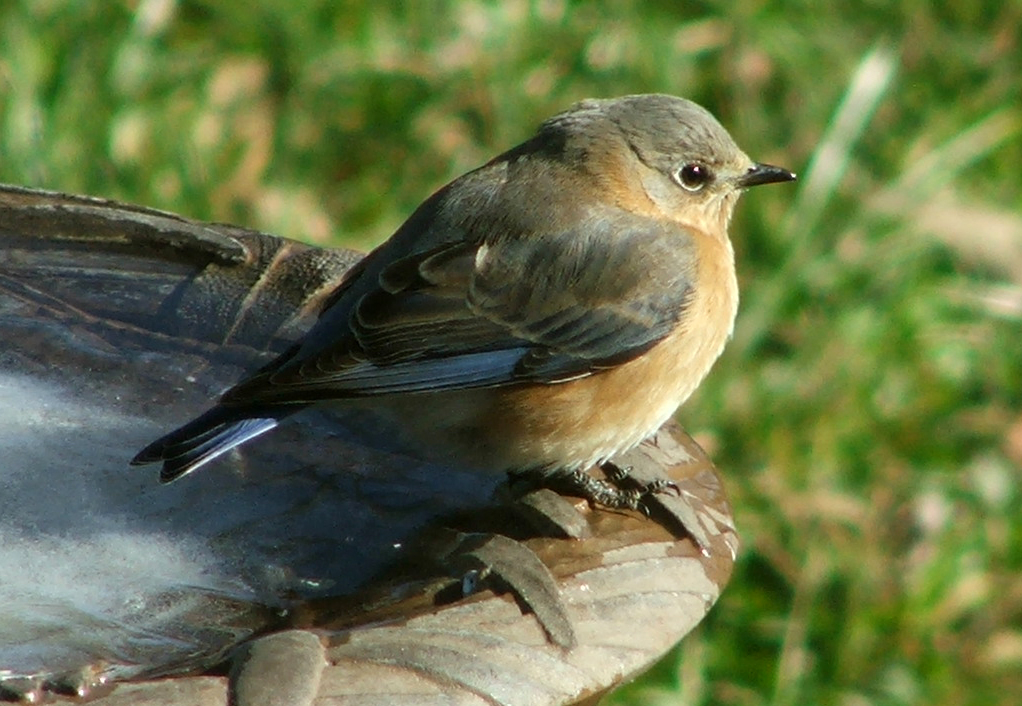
764	174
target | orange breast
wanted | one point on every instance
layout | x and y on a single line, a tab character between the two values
578	423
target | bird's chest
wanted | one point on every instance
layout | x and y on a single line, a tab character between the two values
613	410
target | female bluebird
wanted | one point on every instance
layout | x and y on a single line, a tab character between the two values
542	313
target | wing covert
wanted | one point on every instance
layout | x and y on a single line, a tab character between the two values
547	308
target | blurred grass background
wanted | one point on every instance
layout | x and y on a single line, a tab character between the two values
868	414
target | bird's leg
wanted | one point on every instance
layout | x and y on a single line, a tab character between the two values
605	493
617	474
601	492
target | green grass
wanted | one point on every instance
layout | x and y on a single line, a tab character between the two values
868	415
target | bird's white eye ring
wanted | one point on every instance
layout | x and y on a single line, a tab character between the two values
693	176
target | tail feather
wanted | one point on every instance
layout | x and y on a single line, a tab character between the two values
205	438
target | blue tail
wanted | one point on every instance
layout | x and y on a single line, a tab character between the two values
201	440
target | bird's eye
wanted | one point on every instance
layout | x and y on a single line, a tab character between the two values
693	176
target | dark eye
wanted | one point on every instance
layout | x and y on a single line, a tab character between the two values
693	176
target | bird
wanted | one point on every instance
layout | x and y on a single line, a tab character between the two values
538	315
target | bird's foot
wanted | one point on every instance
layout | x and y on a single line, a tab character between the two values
607	493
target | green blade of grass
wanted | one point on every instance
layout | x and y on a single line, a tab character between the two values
820	182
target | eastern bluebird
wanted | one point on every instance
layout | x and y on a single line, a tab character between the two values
541	313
